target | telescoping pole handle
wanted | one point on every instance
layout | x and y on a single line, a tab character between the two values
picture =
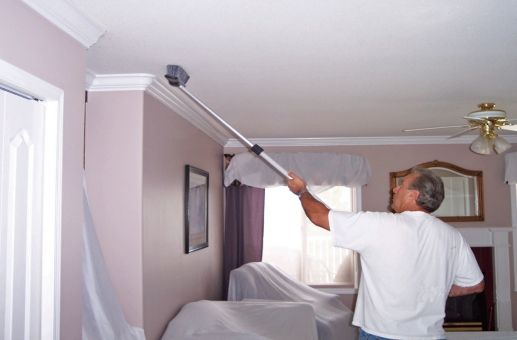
253	147
262	154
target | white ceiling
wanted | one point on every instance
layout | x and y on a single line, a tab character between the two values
313	68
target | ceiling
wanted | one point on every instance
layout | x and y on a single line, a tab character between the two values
314	69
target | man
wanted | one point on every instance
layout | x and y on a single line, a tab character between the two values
410	260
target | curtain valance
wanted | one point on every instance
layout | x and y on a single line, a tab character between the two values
510	175
316	168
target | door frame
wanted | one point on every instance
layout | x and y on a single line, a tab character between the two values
52	99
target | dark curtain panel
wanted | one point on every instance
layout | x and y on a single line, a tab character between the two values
243	229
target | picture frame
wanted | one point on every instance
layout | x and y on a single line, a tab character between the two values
196	208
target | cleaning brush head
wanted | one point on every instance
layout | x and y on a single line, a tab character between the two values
176	75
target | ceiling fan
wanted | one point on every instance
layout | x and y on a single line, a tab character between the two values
489	121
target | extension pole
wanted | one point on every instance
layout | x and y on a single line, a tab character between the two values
253	147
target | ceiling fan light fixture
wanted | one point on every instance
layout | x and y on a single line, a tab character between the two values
501	145
481	145
488	121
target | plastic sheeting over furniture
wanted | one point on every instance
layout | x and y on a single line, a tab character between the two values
316	168
260	280
245	320
103	318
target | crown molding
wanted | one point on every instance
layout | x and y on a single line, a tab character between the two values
69	19
200	119
118	82
148	83
338	141
90	77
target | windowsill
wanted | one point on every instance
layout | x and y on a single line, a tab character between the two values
338	290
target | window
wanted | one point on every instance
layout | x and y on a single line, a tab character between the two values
302	249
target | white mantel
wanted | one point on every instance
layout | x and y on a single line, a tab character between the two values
498	239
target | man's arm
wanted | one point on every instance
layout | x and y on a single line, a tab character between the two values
459	291
316	211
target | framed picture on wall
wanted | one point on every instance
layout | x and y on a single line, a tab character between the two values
196	209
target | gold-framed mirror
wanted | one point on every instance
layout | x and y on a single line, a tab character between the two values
463	200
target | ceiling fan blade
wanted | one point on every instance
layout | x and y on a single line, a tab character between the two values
462	132
479	119
509	127
436	127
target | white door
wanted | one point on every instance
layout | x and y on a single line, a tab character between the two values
22	126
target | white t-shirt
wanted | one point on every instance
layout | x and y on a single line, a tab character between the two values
409	262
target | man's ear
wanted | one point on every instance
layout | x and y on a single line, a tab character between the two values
415	194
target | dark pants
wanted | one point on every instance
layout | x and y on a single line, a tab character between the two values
367	336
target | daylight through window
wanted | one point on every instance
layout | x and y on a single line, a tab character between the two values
302	249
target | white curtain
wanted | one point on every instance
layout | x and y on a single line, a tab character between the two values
316	168
510	175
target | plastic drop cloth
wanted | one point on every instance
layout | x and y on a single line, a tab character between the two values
260	280
243	320
316	168
103	318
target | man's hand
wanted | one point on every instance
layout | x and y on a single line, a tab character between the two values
315	210
296	184
459	291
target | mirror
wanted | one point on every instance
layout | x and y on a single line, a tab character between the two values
463	191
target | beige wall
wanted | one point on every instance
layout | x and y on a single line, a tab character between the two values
31	43
136	152
171	277
114	133
388	158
